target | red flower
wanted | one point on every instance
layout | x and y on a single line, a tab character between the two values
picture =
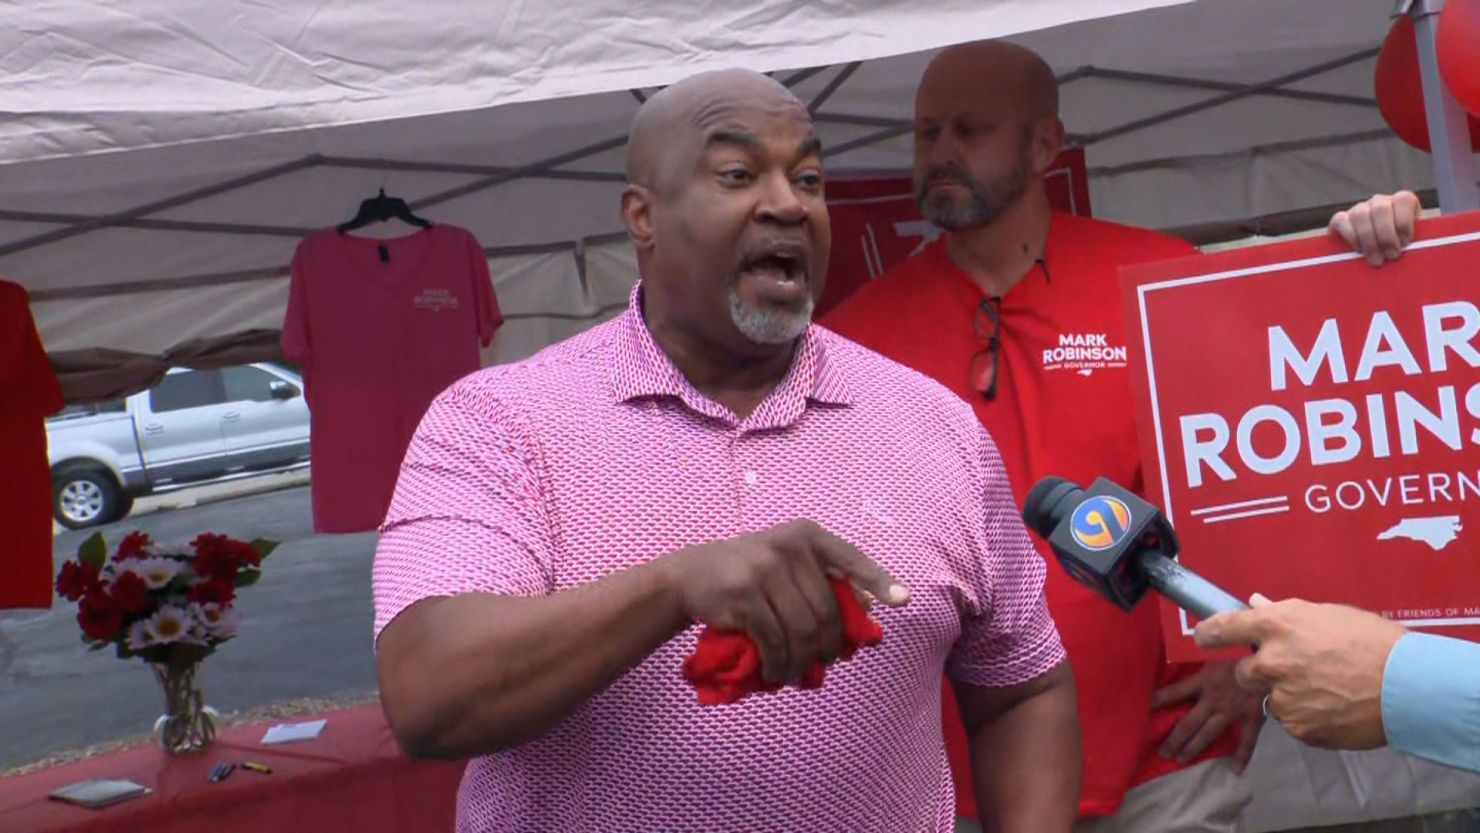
212	564
76	580
217	590
132	546
129	594
247	553
99	619
217	556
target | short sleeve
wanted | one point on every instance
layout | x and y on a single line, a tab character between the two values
469	513
294	341
489	316
1012	638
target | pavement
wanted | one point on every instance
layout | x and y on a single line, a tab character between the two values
305	626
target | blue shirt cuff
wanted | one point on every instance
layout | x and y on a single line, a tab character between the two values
1431	699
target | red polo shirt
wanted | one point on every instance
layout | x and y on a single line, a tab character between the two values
1063	406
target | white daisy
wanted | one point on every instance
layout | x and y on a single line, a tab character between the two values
156	572
170	624
221	623
138	636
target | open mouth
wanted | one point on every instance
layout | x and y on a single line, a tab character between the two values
781	268
780	264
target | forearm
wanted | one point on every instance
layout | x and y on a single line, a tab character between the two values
1026	760
475	673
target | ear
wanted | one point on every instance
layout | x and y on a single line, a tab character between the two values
1048	141
637	214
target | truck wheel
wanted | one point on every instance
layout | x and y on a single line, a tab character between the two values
83	497
125	505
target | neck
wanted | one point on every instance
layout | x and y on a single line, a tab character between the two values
999	254
738	381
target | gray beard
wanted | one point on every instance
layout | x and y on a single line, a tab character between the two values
769	326
986	201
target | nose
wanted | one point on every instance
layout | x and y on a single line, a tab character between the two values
780	202
943	151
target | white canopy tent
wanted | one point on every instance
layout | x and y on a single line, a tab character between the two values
160	161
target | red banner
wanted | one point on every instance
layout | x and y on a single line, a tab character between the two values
876	223
1311	425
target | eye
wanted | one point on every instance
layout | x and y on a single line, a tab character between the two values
811	180
929	134
736	176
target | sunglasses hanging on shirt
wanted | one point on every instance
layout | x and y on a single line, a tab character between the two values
987	324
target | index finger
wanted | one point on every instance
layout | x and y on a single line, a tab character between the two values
1243	627
864	571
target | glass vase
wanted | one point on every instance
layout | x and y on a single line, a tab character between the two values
188	724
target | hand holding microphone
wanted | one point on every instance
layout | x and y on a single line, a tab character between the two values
1323	668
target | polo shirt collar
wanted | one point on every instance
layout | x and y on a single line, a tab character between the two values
641	369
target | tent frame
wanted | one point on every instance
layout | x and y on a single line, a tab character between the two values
1454	166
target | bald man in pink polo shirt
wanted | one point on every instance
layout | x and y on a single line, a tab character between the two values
563	526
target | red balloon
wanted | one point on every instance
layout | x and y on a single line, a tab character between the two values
1458	44
1400	89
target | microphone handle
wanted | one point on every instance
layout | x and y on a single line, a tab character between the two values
1187	589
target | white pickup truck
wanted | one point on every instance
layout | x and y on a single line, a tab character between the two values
192	426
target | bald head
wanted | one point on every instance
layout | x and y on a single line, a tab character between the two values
669	126
986	130
1026	78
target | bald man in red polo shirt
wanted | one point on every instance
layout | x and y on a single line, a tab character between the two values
996	309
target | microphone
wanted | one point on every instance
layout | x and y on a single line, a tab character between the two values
1120	546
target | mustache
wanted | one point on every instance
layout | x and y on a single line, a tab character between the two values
950	172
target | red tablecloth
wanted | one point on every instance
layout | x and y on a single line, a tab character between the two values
352	777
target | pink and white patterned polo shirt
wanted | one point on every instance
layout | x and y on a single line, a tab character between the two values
597	455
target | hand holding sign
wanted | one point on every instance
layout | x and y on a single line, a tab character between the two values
1380	228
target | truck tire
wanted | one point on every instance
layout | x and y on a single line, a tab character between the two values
84	496
125	505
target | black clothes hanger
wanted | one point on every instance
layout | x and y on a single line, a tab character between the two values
380	208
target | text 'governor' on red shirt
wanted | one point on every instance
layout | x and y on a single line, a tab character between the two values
1063	406
380	327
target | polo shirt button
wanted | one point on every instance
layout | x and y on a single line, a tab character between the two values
750	478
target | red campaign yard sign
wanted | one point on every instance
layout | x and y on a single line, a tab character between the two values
1311	424
876	223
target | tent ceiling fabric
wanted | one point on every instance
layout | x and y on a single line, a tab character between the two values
310	107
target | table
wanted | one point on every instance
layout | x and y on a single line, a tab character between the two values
352	777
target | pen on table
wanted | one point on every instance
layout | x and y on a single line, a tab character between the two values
256	767
220	771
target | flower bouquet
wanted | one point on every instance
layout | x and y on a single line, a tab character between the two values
171	607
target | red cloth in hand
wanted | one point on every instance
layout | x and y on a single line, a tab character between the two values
726	666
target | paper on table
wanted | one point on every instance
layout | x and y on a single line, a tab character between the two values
288	732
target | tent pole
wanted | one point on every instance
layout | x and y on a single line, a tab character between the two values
1228	87
1243	92
832	86
160	205
1449	129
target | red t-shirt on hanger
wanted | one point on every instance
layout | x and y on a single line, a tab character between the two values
379	328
